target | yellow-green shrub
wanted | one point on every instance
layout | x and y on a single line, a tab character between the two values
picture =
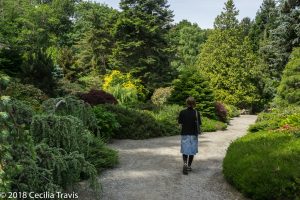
124	87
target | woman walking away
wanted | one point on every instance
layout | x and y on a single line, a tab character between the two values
190	121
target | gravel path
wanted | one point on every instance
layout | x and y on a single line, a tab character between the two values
152	169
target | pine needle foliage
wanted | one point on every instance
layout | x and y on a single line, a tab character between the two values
192	83
72	106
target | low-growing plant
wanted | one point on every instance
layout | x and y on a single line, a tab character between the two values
106	122
135	124
97	97
69	105
167	116
232	111
270	169
161	95
276	118
27	93
211	125
124	87
66	87
221	112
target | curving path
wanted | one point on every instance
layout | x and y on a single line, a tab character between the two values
152	169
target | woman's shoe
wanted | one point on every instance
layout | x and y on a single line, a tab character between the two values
189	168
185	170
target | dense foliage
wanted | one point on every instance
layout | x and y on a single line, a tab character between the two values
192	83
289	88
270	169
138	58
49	152
124	87
161	95
96	97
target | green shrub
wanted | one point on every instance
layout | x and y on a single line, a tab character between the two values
65	87
19	170
145	106
232	111
276	118
106	122
66	132
100	155
289	90
4	81
27	93
192	83
135	124
265	165
72	106
292	120
167	116
211	125
124	87
161	95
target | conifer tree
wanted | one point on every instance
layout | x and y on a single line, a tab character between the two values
141	46
192	83
289	88
228	17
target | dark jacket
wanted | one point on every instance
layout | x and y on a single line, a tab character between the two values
187	118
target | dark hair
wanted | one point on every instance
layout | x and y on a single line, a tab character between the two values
191	102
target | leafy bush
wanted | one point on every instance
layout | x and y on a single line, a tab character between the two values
221	112
4	81
106	122
19	170
167	116
135	124
124	87
211	125
91	81
71	106
66	132
271	168
65	87
232	111
28	93
277	118
100	155
96	97
12	128
192	83
161	95
145	106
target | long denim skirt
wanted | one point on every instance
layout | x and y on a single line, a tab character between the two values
189	144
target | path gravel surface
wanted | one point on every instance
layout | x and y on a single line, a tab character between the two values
152	169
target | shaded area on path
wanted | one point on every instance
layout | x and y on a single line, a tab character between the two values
152	169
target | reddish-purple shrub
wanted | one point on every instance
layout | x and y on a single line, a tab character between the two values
221	112
96	97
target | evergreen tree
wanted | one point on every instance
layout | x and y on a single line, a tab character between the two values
289	90
192	83
141	45
228	18
265	21
234	71
245	25
93	38
186	40
283	38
